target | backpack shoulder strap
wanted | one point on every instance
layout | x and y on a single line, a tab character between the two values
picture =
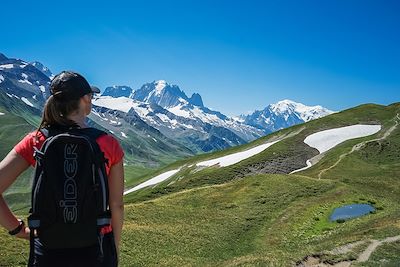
45	132
53	131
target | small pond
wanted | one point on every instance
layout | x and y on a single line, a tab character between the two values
351	211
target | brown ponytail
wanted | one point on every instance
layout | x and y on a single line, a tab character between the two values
55	113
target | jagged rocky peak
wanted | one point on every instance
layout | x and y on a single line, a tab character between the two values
166	95
3	57
45	70
196	100
161	93
118	91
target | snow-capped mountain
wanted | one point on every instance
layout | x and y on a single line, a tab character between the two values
306	113
283	114
195	133
165	95
167	108
24	87
173	99
118	91
158	111
146	144
24	81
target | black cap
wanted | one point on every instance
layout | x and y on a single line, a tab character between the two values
69	85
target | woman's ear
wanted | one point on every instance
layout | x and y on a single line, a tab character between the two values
86	101
88	97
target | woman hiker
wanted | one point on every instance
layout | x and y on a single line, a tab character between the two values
66	110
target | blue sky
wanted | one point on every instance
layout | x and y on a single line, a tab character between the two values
239	55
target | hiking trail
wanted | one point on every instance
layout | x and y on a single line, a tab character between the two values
316	261
361	145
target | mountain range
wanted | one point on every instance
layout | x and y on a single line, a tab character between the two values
158	115
167	108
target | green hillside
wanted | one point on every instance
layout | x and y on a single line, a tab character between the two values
254	214
289	154
12	129
232	217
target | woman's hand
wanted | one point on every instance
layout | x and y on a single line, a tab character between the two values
24	233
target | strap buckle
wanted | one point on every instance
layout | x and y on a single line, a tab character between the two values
33	223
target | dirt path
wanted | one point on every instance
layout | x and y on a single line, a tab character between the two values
360	145
363	257
316	261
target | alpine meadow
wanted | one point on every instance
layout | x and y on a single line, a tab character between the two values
213	133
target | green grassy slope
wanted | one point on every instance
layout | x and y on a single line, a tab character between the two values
289	154
216	217
217	224
233	217
12	129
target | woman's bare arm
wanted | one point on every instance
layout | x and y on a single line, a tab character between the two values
10	168
116	185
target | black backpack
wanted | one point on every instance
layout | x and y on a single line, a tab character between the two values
70	194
